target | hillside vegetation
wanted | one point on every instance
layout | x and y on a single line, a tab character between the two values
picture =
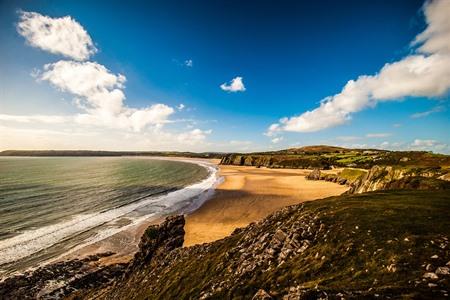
374	245
325	157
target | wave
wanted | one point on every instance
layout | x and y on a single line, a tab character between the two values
182	200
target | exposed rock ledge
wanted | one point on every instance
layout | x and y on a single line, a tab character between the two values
383	178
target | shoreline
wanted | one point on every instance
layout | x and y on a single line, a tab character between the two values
235	202
239	196
124	239
124	243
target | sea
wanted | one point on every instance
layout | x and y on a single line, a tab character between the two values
51	206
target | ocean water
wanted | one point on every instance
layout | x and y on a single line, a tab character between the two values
52	205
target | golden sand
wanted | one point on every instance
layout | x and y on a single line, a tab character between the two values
249	194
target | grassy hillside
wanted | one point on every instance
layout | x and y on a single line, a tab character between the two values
381	244
326	156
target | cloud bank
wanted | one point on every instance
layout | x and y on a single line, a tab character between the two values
235	85
63	36
426	73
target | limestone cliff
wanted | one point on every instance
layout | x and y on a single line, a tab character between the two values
385	178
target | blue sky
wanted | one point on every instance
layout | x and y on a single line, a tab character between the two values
289	54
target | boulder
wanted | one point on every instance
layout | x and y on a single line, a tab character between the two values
314	175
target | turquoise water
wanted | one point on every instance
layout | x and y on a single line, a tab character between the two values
49	205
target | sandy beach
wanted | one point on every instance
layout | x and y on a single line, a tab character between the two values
247	194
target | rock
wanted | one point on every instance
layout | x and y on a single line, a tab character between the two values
342	181
261	295
314	175
443	271
430	275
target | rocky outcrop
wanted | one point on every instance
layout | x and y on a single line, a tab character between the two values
309	251
60	279
384	178
159	239
57	280
392	178
314	175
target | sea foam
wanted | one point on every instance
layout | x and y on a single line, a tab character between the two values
183	200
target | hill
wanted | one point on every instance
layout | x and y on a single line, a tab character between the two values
325	157
374	245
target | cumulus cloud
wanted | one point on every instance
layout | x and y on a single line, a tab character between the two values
436	109
181	106
235	85
100	89
63	36
101	97
189	63
426	73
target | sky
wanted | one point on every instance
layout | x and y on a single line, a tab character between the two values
236	76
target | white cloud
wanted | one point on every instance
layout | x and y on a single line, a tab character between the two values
273	130
423	74
103	117
428	112
428	144
424	143
235	85
36	118
277	140
378	135
189	63
100	89
193	137
101	96
63	36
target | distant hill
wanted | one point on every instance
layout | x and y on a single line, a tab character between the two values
108	153
325	157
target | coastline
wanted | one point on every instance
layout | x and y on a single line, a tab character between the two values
244	195
124	243
248	194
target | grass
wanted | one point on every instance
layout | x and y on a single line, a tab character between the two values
352	174
376	242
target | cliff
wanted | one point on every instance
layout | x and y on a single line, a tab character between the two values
325	157
386	178
389	244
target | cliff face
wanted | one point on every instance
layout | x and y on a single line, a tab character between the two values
384	178
344	246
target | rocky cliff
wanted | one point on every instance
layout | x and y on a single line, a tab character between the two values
385	178
356	246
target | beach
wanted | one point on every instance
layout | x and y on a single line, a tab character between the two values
249	194
246	194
